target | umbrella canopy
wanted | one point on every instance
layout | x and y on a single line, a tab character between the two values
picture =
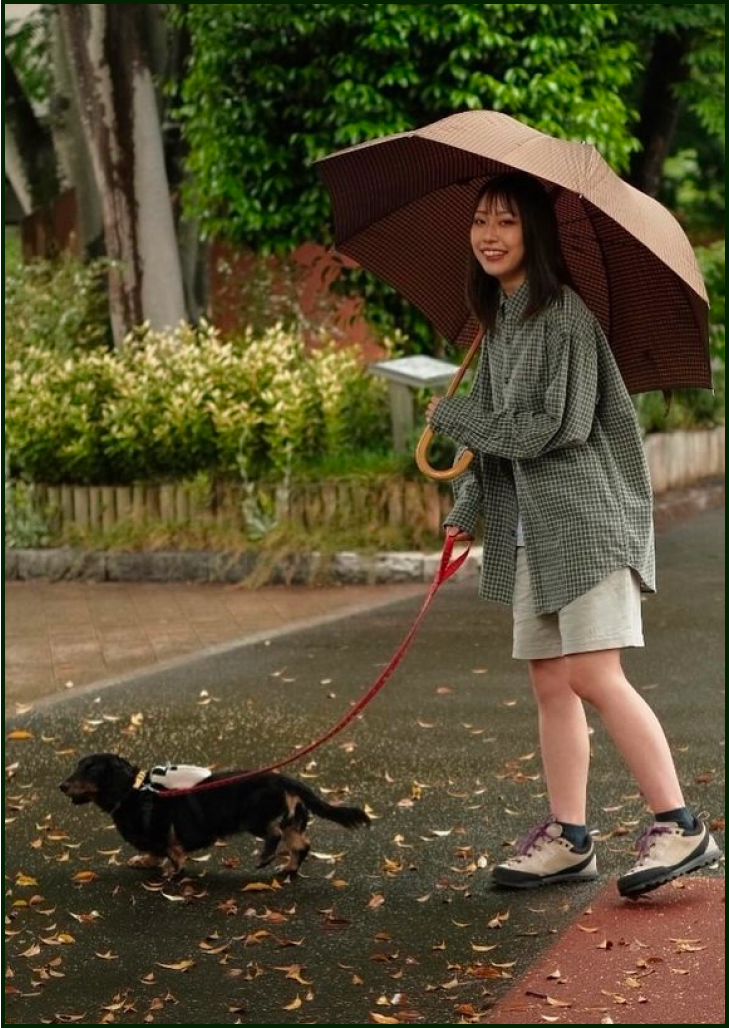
403	204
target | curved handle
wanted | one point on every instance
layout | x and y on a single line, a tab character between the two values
421	459
421	451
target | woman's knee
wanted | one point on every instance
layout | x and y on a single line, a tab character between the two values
549	677
592	674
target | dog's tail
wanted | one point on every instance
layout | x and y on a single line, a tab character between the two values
348	817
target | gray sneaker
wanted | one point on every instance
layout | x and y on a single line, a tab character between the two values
544	857
666	851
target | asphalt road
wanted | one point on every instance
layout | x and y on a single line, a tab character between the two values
397	923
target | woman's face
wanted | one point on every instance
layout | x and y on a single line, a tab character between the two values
497	241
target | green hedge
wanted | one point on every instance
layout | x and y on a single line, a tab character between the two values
170	405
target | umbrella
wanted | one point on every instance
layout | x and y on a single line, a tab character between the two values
402	209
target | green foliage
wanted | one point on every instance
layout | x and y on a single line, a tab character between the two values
684	410
272	87
712	260
59	305
25	524
168	406
27	46
693	188
702	28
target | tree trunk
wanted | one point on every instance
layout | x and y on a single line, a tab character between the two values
74	159
30	162
122	128
659	110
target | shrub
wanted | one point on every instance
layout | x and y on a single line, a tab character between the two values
169	405
56	305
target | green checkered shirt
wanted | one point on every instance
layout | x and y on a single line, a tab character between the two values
556	440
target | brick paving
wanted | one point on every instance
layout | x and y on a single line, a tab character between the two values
64	634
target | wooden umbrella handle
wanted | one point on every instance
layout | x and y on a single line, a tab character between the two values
421	451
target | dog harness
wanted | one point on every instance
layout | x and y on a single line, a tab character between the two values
171	776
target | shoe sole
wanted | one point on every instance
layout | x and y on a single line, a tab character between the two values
704	859
538	883
541	882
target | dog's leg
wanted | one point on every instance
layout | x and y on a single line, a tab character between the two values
177	856
295	840
271	843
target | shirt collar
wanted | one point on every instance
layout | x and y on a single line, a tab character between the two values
514	306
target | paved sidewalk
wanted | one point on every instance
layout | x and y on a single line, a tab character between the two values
59	635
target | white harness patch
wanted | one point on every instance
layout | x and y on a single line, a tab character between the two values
177	776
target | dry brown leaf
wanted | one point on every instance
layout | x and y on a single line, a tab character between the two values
107	956
552	1002
84	876
180	965
294	1004
376	900
293	971
20	733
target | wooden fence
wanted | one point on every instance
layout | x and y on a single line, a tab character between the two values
676	460
393	502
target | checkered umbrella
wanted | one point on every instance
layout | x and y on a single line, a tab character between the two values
403	204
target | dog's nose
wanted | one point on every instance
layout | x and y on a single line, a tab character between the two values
63	786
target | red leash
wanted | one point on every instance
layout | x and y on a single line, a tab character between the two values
446	568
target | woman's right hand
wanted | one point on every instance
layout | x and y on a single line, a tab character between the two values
458	535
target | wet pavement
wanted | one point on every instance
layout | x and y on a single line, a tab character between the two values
397	923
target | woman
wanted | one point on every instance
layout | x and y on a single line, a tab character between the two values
561	481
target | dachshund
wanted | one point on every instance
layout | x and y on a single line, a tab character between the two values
210	806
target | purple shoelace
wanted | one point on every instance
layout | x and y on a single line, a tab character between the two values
534	836
645	840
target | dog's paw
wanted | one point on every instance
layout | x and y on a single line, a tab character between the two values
143	860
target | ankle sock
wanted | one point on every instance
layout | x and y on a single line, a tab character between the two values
682	817
576	835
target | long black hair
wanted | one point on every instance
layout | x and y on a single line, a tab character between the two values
546	269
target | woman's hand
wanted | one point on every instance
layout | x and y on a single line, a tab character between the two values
432	408
458	535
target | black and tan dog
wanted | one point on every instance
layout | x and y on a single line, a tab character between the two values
163	825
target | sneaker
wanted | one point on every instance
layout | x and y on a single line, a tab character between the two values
545	857
667	851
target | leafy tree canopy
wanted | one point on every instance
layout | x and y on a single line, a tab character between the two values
272	87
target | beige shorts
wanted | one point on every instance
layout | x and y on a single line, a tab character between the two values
607	617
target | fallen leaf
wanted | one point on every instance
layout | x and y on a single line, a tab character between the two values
21	733
294	1004
181	965
84	876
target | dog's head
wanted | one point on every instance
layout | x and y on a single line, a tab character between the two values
102	778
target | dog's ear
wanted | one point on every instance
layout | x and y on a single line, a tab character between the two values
111	772
121	771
